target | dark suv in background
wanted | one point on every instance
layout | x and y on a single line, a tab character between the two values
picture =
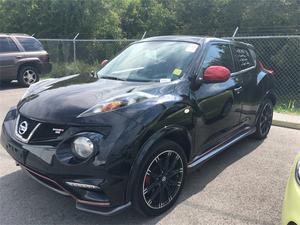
22	57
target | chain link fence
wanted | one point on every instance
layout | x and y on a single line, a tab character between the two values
87	50
279	53
282	55
70	56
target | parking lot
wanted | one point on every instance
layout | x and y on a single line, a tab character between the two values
243	185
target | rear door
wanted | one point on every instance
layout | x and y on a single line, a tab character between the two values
246	76
9	53
218	103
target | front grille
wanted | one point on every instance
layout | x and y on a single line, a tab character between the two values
25	128
31	125
28	130
47	131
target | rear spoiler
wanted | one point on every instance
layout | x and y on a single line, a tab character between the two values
271	72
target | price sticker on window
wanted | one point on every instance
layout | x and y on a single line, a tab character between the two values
191	48
177	72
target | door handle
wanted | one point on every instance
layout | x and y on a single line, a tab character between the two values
19	57
238	89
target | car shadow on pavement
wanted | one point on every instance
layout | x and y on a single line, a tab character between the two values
198	179
24	201
9	85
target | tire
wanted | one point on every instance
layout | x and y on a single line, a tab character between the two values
264	120
160	178
28	75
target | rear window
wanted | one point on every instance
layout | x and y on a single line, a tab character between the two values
244	58
30	44
7	45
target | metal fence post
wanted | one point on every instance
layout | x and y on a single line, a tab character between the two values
74	47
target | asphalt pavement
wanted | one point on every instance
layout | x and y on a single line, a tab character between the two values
243	185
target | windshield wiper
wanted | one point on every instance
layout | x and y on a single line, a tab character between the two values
139	80
112	78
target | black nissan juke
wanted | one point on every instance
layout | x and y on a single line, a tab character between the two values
128	134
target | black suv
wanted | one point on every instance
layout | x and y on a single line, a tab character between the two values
22	58
128	136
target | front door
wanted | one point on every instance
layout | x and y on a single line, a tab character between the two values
219	103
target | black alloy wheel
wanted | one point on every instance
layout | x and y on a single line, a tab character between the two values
264	121
161	179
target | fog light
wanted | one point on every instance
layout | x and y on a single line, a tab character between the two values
82	147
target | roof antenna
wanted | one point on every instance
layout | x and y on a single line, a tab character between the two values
33	35
144	34
235	32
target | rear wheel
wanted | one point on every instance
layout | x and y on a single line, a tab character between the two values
160	180
28	75
264	121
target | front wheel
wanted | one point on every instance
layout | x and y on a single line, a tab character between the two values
264	120
161	178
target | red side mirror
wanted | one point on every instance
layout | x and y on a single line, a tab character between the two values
104	62
216	74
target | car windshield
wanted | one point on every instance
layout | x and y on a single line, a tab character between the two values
159	61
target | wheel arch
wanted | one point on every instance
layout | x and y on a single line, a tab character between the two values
269	95
34	63
178	134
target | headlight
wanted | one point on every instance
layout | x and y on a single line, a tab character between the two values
298	172
82	147
116	103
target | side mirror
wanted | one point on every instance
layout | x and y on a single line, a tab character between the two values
104	62
216	74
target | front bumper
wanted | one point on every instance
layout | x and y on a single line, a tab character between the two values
83	205
40	163
291	204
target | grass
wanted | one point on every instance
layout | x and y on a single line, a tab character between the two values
289	108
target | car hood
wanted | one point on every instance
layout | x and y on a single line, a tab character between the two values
62	100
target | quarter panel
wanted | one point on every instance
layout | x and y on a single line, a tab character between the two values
256	84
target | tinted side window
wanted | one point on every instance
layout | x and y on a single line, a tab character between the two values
30	44
244	58
218	55
7	45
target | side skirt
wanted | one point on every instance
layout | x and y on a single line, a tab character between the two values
199	160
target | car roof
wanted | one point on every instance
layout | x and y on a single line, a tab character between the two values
184	38
14	35
193	39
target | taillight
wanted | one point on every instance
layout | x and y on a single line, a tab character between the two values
45	58
271	72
